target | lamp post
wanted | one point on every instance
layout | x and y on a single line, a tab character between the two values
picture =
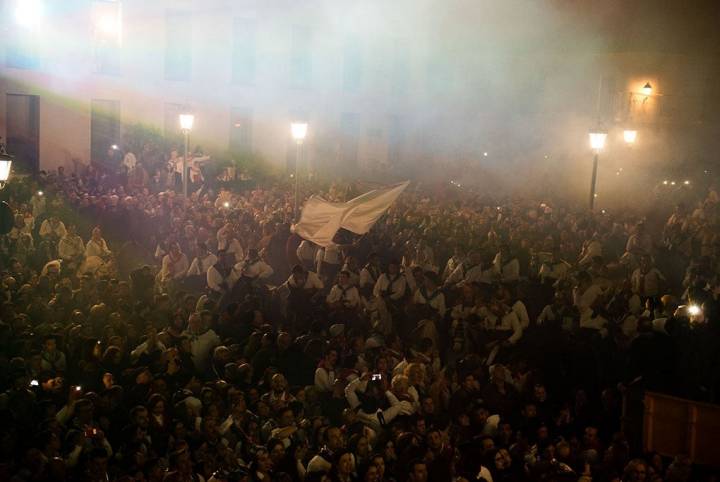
186	125
5	164
647	89
630	136
597	142
299	132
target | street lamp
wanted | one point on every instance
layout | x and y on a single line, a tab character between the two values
298	130
630	135
5	165
647	89
186	125
597	142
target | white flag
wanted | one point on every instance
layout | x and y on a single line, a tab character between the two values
321	219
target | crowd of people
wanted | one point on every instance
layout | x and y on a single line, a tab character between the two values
150	337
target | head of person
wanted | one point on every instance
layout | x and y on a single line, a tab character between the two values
418	471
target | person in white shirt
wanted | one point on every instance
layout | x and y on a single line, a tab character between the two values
506	265
227	241
325	372
502	323
330	263
202	262
129	161
306	254
646	280
253	268
586	296
203	341
391	286
591	249
300	291
174	265
452	263
369	275
343	295
430	298
97	246
52	229
469	271
71	247
554	269
219	276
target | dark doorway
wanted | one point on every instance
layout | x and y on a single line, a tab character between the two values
23	131
104	131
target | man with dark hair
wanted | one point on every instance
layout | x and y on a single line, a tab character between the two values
419	472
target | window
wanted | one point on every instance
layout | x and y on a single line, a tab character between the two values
178	46
301	57
352	64
349	127
107	36
243	53
240	129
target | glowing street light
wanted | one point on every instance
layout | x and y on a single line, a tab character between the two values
629	135
5	165
186	125
298	130
647	89
597	142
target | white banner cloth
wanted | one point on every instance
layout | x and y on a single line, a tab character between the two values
321	219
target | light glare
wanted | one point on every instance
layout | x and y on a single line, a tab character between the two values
187	121
647	89
299	130
28	13
5	166
597	139
630	135
694	310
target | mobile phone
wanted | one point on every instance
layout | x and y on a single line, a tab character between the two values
78	388
34	383
376	376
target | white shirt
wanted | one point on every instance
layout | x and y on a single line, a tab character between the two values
305	251
349	296
312	282
332	254
255	269
47	229
508	271
215	280
436	300
324	379
396	288
201	347
202	265
368	276
71	247
173	268
508	322
93	248
465	273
